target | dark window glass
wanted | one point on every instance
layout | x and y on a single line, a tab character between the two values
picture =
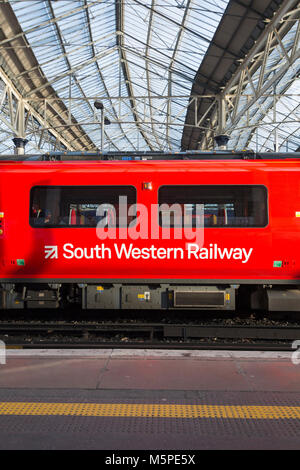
81	206
221	205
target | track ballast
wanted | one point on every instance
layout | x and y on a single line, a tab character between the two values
247	333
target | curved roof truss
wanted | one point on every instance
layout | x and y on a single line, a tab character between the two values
140	59
256	99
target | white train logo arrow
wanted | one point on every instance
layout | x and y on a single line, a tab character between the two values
51	252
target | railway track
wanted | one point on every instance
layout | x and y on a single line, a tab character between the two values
140	334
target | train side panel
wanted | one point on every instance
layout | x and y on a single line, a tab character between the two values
230	256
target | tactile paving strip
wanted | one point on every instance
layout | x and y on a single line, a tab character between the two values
143	410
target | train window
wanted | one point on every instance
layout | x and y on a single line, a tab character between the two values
221	205
81	206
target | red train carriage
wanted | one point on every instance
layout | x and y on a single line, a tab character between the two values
56	247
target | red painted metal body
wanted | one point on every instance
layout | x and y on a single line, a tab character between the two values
278	241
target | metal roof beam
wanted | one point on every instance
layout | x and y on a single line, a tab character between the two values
69	66
255	61
124	66
100	74
159	64
17	58
10	113
46	23
149	34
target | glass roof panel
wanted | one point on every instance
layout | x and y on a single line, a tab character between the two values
139	58
273	121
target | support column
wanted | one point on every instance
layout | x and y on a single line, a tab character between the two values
19	145
221	139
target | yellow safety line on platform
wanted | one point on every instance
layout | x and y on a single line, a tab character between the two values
150	410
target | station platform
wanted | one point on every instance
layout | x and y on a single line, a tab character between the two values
149	400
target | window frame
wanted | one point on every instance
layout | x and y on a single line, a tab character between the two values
74	186
224	185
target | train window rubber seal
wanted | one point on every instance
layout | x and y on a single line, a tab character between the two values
52	226
264	187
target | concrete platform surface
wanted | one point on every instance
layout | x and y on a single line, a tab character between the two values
139	399
149	370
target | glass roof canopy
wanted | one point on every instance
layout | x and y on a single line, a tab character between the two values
139	58
273	121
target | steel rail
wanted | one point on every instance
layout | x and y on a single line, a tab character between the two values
162	331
